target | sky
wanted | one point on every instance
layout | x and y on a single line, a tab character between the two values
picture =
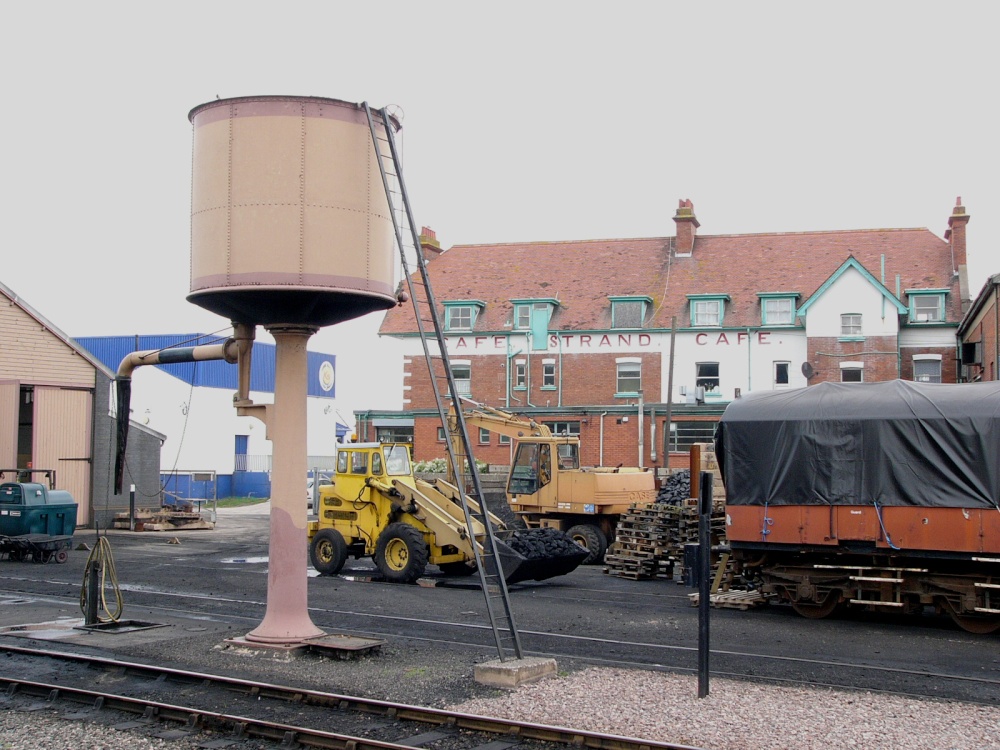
522	121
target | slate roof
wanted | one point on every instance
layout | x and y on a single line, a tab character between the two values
583	274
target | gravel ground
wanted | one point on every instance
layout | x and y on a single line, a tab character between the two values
648	705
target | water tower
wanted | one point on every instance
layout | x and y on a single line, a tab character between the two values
290	230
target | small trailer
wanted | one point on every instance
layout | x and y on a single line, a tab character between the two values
36	522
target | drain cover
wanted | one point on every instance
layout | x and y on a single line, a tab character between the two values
121	626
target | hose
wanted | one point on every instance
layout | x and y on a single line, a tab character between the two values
102	559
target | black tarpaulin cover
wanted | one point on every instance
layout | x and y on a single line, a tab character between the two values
891	443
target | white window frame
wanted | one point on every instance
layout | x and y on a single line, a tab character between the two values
848	326
918	299
624	367
769	314
484	436
927	359
701	380
520	374
548	373
774	374
858	367
463	385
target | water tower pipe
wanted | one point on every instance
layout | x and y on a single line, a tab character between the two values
227	350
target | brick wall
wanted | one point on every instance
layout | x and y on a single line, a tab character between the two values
879	354
949	362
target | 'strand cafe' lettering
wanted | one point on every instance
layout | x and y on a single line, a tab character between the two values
605	340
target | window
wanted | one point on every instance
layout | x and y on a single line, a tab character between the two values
376	463
850	324
441	435
707	376
461	316
926	306
342	464
462	373
852	372
503	439
484	436
777	311
549	375
706	313
927	368
397	460
563	428
359	462
520	374
781	374
685	434
629	377
527	313
396	434
628	312
707	309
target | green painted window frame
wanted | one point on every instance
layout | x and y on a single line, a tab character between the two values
768	298
450	307
644	303
694	300
922	294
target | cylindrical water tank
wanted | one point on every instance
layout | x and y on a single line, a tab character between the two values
289	219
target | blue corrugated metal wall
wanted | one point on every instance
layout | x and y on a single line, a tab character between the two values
111	350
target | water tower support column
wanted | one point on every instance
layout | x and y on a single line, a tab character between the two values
286	620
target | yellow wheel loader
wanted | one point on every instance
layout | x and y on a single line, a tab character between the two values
374	506
547	487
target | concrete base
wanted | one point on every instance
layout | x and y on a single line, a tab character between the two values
514	672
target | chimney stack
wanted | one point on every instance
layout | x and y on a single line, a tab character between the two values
955	234
429	243
687	223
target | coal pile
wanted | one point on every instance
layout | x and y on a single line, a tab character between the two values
675	489
542	543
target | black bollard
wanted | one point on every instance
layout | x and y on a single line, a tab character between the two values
704	577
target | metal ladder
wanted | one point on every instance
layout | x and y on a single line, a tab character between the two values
425	311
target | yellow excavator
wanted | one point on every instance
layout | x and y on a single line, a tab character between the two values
546	485
375	507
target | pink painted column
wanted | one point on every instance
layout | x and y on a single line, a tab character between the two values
287	620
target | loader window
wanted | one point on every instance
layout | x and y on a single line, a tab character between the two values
397	460
342	462
525	473
569	456
359	462
376	463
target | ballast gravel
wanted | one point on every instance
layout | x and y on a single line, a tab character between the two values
644	705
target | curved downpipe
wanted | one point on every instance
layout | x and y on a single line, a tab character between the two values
229	351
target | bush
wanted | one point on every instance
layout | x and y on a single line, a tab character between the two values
440	466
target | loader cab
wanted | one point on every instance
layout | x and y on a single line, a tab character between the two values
359	461
531	469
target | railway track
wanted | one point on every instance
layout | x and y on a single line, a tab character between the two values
240	709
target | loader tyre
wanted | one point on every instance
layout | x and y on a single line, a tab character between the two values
328	552
400	553
592	539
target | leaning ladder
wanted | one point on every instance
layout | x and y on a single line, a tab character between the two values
425	311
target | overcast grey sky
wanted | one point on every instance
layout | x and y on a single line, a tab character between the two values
521	121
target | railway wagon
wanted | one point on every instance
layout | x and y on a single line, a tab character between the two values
884	496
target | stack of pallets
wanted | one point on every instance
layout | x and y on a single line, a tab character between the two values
650	539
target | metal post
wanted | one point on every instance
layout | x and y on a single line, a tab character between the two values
131	508
704	584
93	592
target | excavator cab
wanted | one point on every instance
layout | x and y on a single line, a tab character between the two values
531	470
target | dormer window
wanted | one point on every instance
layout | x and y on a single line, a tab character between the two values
926	305
461	315
629	312
533	314
777	308
707	310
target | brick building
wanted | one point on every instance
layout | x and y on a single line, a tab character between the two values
604	338
979	333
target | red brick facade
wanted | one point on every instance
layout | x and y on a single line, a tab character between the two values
878	353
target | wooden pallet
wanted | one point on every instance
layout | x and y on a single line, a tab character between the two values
742	600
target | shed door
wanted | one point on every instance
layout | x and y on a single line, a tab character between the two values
63	420
9	393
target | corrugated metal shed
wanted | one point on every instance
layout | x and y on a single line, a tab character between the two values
111	350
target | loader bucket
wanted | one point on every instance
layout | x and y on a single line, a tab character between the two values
537	554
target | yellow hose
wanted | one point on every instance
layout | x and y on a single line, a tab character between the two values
101	555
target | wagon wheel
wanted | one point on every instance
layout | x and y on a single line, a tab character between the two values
817	611
61	556
976	624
